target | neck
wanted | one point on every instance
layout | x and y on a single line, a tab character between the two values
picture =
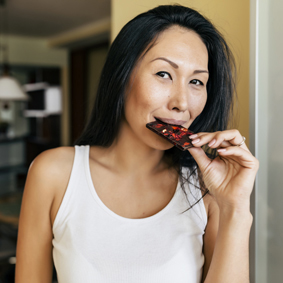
128	155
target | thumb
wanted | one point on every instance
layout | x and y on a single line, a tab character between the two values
200	157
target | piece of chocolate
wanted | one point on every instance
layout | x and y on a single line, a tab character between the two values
176	134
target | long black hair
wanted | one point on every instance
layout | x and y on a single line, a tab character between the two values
135	38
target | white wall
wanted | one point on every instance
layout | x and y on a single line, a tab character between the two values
268	140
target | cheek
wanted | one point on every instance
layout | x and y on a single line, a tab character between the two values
137	102
198	104
144	97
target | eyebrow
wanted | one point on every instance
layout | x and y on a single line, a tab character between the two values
174	65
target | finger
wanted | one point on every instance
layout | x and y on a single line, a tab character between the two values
231	137
218	139
200	157
239	155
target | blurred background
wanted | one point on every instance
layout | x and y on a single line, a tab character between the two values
51	56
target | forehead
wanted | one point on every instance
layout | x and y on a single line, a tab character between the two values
180	44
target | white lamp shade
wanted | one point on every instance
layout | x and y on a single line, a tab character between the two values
10	89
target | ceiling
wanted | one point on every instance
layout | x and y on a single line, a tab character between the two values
46	18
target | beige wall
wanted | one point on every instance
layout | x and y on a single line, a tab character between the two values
96	59
229	16
35	51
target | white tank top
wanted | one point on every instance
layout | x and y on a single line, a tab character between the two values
92	244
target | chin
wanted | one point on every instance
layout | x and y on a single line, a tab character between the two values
163	148
161	144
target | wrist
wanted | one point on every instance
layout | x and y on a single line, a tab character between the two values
239	215
242	207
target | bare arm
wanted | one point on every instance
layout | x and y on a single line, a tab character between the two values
210	235
34	247
230	178
226	245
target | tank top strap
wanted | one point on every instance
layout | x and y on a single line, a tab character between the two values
73	184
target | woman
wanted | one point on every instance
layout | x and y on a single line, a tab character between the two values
124	205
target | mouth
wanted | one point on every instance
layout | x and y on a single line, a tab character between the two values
171	121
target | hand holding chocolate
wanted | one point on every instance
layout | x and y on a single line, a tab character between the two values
176	134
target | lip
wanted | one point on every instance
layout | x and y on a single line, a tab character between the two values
171	121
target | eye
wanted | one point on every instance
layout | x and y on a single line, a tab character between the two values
196	82
164	75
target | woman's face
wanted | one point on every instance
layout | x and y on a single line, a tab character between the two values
169	82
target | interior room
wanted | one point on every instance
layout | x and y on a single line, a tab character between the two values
52	54
56	59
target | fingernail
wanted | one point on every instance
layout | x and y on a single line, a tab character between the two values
221	149
193	136
212	142
195	141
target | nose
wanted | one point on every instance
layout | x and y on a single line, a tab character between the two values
179	98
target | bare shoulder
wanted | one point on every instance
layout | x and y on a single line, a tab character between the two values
49	161
55	166
47	177
49	174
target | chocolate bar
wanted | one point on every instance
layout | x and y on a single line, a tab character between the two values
176	134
